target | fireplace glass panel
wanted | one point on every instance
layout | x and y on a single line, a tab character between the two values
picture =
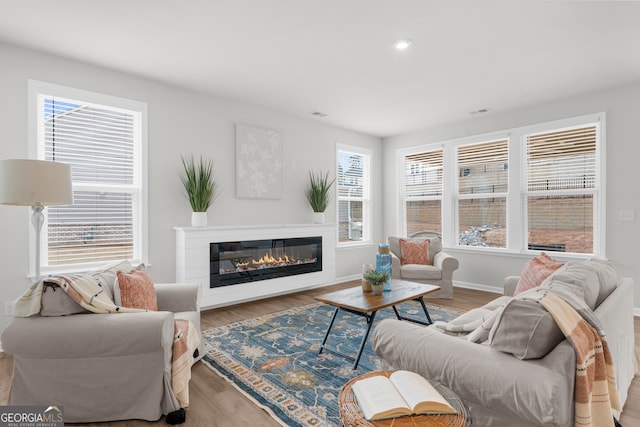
253	260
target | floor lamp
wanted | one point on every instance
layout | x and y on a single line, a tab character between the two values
35	183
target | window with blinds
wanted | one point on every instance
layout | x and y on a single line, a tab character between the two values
103	146
483	178
521	190
353	189
561	189
422	191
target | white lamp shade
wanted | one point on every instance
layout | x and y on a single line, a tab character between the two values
35	182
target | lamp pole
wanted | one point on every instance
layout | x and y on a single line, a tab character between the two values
37	219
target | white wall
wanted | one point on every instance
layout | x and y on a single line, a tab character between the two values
180	122
622	108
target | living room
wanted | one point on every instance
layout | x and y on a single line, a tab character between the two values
184	120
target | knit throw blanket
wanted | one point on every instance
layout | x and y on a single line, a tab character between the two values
185	341
595	391
88	293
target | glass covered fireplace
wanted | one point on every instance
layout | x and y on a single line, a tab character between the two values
253	260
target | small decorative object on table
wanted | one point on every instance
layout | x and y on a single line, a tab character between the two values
383	264
377	280
366	286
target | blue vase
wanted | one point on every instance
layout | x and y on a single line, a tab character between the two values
383	263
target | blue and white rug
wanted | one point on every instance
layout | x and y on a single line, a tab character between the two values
273	359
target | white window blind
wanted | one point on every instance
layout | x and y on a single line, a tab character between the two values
423	174
483	168
562	190
562	160
423	178
102	144
353	189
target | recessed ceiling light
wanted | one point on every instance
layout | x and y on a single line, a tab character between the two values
402	44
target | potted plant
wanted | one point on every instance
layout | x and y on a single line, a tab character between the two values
318	194
377	280
200	186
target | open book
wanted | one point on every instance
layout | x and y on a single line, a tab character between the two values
402	393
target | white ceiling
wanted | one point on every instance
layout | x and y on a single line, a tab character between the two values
337	56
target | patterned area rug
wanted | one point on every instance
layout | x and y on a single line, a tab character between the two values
273	359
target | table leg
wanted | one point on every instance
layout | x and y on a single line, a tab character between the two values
426	312
363	342
424	307
370	319
333	319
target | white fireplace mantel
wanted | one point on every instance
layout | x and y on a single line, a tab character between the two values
192	260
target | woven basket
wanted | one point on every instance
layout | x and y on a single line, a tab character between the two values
350	415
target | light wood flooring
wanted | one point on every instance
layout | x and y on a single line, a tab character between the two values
215	402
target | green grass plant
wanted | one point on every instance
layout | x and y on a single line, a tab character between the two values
199	183
318	192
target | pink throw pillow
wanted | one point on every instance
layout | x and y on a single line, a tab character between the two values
137	291
412	252
534	273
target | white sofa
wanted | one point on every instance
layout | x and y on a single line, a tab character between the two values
499	388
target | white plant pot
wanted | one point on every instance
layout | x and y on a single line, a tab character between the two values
318	218
199	219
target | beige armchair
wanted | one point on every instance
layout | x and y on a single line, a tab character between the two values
439	273
100	367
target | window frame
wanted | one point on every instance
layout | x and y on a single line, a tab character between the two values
37	90
365	199
598	193
516	215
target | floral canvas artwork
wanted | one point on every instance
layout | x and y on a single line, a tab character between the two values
258	163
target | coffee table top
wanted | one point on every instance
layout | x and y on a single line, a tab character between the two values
350	414
365	302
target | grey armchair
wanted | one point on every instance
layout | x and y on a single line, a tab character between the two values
101	367
440	273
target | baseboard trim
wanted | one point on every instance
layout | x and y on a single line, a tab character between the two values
486	288
346	279
636	312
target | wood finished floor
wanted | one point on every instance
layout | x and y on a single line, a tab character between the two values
215	402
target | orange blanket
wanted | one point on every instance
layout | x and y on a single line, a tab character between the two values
595	390
185	342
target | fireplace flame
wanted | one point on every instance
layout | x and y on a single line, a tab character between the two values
268	260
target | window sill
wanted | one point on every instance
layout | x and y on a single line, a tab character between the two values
560	256
81	268
354	245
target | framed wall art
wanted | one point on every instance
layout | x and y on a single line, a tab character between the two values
259	173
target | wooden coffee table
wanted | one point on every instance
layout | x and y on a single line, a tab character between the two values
356	301
350	414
